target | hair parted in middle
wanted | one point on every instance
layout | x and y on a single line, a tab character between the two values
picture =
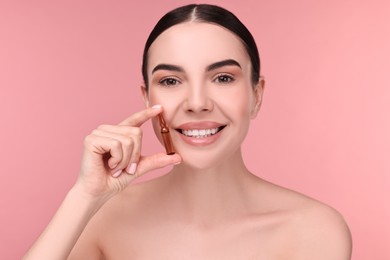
208	14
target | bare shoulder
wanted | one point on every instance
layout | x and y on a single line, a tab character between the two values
125	211
325	234
317	230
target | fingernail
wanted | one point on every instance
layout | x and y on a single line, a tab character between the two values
132	168
156	106
116	174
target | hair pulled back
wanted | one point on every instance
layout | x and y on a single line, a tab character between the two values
208	14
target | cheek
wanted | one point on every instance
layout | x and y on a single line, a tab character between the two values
166	99
237	102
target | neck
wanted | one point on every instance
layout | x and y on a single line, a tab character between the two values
212	193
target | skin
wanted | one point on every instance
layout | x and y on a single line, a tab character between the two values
207	207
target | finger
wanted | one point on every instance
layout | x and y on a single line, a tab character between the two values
141	117
127	142
120	129
103	145
135	133
136	153
156	161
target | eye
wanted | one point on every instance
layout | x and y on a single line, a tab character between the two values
169	82
224	79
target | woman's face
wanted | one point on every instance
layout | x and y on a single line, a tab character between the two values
201	74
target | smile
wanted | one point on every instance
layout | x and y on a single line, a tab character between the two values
200	133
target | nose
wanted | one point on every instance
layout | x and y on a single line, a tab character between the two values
198	100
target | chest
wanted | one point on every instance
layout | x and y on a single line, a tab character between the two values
181	241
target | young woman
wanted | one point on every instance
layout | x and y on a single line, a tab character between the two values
201	71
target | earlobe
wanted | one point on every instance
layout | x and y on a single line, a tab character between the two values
145	95
258	95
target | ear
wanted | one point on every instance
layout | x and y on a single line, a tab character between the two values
145	95
258	96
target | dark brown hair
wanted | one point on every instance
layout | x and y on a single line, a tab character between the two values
209	14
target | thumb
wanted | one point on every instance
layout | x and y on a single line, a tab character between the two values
156	161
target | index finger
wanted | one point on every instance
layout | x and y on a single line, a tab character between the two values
141	117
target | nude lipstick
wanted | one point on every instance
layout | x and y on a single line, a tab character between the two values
165	135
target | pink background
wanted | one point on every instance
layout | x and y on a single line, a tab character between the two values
68	66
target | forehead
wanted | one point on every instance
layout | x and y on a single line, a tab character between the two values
196	43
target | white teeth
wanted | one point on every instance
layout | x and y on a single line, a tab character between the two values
200	133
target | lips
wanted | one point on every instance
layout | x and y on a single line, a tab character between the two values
200	133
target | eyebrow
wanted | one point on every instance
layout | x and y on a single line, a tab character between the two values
213	66
223	63
167	67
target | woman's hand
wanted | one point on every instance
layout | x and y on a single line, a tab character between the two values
111	160
112	156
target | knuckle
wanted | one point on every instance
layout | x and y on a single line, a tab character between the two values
128	141
135	156
137	131
116	144
127	130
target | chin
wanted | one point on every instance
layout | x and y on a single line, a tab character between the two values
204	159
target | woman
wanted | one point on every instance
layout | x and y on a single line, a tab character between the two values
201	70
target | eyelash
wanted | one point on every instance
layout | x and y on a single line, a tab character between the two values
222	78
164	82
227	77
